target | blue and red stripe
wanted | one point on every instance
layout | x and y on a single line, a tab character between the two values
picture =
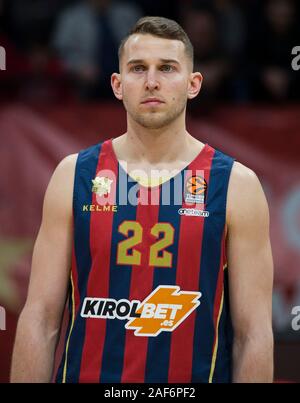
158	353
140	288
86	167
189	255
99	276
210	265
119	286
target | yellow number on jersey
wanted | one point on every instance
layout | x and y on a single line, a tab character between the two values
166	259
123	257
122	252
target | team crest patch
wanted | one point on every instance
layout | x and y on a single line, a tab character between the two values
101	185
195	189
162	311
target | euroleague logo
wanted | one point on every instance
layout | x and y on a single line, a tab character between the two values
195	189
163	310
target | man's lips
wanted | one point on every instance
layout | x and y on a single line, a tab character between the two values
152	101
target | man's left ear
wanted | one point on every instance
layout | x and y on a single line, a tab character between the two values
195	83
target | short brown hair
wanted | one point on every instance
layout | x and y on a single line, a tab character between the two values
162	28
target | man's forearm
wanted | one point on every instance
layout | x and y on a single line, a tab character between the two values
34	349
253	360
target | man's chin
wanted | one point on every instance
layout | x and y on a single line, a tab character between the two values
154	120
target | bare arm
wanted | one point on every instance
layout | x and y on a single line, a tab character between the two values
250	277
40	320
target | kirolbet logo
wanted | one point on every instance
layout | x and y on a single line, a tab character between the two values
163	310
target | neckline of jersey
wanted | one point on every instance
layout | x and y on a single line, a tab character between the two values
114	156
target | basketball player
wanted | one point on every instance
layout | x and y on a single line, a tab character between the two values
175	287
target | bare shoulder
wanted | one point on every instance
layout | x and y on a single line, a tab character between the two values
67	164
245	197
242	176
65	170
59	192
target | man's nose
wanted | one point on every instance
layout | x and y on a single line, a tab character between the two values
152	82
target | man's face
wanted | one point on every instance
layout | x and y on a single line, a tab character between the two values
154	80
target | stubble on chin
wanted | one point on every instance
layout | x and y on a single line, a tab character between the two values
156	119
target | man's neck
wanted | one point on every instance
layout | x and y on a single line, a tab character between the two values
154	146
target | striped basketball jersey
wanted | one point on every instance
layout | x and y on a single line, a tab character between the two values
148	298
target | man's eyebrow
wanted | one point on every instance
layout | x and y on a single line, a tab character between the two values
135	61
170	61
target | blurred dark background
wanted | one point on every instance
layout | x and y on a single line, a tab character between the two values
56	49
55	98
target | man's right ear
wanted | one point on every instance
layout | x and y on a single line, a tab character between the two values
117	85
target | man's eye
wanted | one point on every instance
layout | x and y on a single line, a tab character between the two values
167	68
138	68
